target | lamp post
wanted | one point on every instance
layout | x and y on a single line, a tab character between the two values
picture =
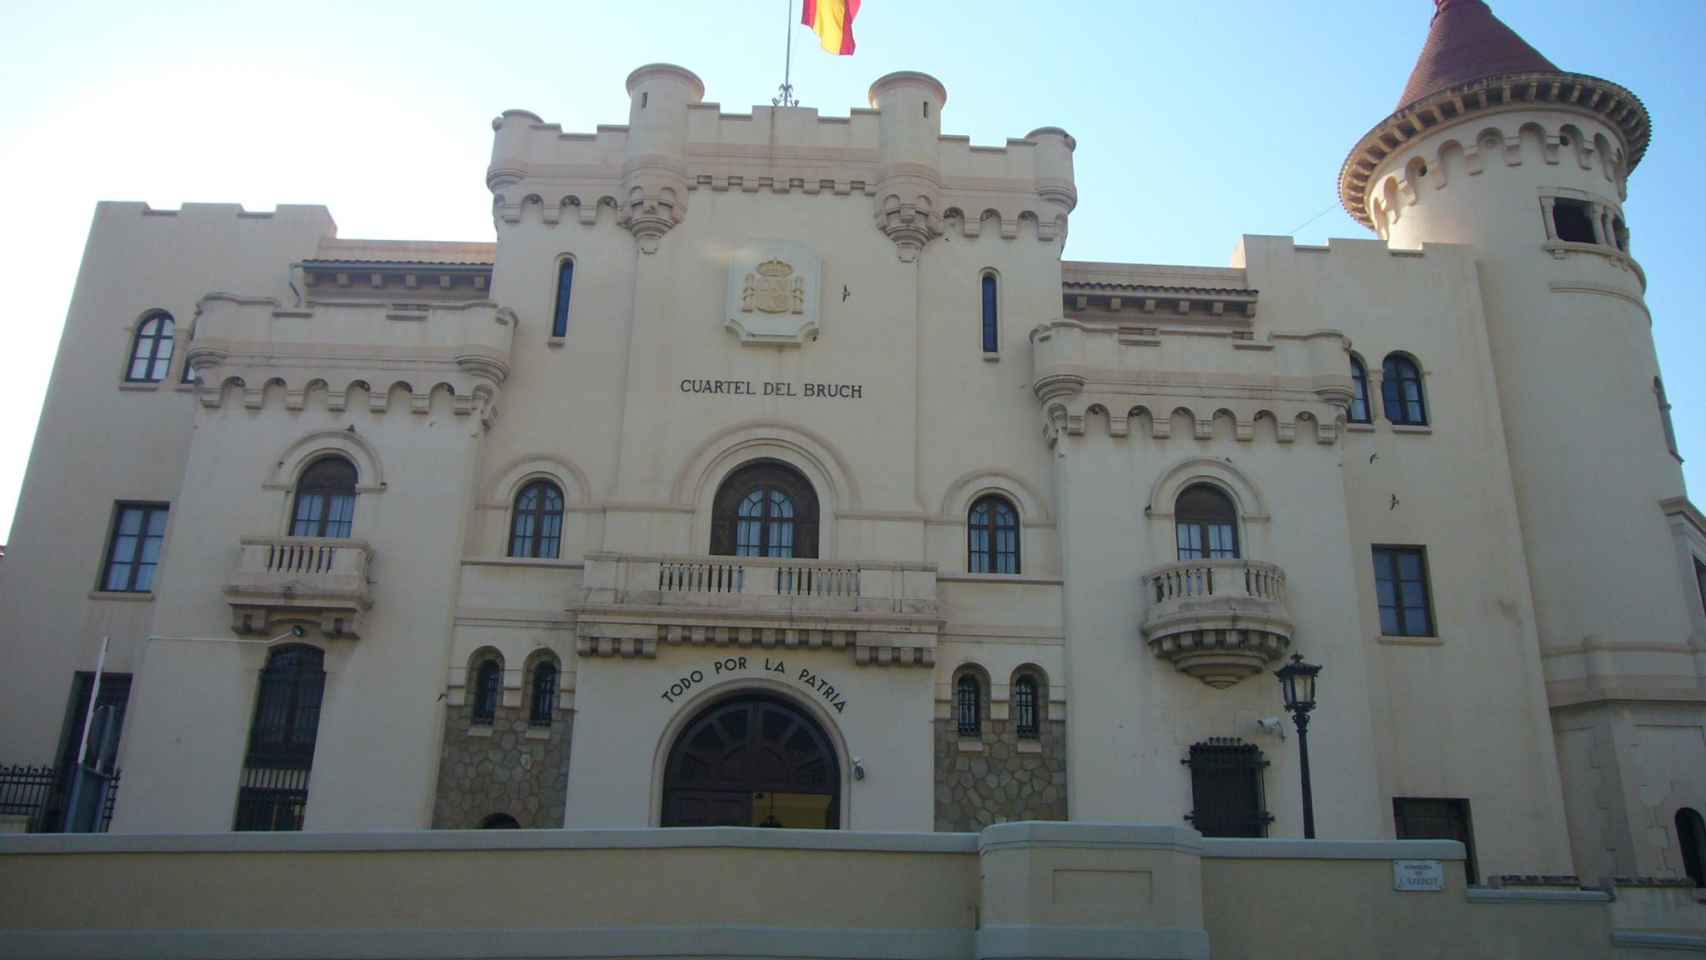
1297	686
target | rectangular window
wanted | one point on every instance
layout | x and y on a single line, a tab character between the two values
133	551
565	286
1418	818
1226	788
1401	587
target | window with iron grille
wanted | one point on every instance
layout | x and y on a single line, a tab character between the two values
133	549
544	695
1226	788
968	706
488	689
1433	818
1025	719
273	792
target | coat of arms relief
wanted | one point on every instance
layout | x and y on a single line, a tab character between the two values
773	293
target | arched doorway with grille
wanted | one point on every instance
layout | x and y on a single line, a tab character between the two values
752	760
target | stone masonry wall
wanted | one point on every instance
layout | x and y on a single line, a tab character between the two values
975	789
502	771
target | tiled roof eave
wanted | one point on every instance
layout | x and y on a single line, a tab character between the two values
1557	90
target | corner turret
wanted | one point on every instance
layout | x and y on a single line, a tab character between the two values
654	175
909	180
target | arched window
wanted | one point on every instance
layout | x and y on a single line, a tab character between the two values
499	821
991	316
968	705
565	286
325	499
1206	524
273	791
151	351
765	509
1401	389
488	690
1691	836
544	693
536	523
1026	716
992	536
1359	395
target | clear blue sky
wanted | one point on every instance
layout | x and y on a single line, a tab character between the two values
1243	110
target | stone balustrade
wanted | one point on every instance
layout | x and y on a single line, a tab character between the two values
284	580
887	612
1217	620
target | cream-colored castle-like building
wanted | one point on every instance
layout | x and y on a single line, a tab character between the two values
775	468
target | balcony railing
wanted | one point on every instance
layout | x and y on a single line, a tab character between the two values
1217	620
885	612
759	583
283	579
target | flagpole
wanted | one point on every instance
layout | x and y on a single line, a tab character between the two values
785	96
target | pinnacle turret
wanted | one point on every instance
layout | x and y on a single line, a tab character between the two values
1466	42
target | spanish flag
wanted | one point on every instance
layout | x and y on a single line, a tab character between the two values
833	22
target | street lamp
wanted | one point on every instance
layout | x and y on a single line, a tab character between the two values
1297	686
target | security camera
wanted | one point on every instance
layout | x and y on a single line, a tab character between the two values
1272	725
858	768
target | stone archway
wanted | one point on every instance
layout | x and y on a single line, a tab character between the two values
752	760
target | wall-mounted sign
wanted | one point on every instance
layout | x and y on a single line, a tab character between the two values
773	388
833	697
1412	876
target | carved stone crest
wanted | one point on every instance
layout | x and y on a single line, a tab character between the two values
773	293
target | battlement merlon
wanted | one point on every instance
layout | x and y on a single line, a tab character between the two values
674	140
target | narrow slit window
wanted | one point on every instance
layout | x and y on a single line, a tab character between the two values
565	287
991	318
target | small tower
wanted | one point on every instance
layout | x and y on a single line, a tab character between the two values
1493	146
654	174
909	180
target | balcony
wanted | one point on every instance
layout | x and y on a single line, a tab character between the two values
296	579
1217	620
886	613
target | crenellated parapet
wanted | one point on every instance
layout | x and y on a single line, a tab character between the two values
1147	375
920	183
252	348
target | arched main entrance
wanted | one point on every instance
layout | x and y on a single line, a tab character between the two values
753	760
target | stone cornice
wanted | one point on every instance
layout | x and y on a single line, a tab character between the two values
1581	93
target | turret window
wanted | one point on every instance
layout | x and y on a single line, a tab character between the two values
1401	391
1572	220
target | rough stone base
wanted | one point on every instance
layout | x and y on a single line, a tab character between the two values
505	772
975	790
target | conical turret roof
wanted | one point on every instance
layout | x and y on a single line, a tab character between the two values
1473	64
1466	43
